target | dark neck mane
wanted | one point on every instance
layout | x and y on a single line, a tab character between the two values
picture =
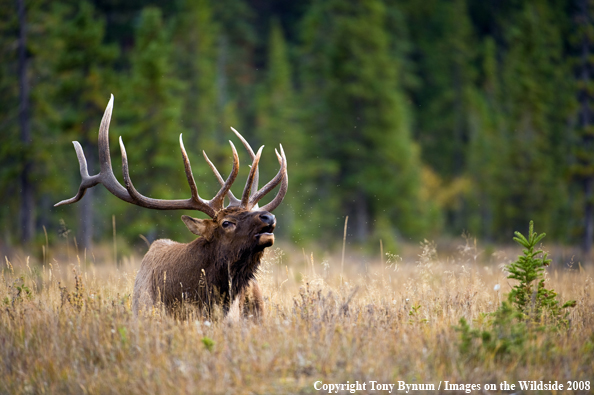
216	262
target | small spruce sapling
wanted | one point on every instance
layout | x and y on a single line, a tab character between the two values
530	297
509	331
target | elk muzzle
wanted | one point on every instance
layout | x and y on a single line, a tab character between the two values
265	237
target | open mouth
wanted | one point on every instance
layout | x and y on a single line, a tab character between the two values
266	237
266	231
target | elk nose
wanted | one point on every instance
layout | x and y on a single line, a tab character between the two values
267	218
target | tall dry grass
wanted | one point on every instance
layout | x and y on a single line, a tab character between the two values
66	327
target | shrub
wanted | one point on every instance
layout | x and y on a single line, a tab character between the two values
530	308
530	297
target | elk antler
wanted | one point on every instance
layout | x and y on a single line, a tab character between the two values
252	203
195	202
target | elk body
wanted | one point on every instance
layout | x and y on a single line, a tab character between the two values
218	267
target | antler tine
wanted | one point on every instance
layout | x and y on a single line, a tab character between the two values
105	176
273	183
233	201
282	159
249	149
87	181
218	201
187	168
143	201
248	184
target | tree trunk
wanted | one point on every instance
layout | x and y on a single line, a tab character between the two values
361	218
588	218
586	123
27	203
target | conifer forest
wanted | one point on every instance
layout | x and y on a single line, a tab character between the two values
414	119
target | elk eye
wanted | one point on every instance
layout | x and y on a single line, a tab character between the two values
227	224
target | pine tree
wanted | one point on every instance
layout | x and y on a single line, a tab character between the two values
582	169
10	149
538	101
445	52
445	63
81	73
360	121
277	122
195	37
487	148
236	74
148	118
26	196
22	155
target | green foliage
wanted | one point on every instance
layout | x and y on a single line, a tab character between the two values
277	121
414	315
196	33
446	47
530	297
530	309
149	113
503	336
488	150
208	343
81	66
22	290
365	156
19	292
11	152
123	335
581	168
537	105
408	117
236	74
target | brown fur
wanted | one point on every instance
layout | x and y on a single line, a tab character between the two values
198	272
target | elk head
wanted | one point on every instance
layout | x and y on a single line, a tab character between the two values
240	221
233	225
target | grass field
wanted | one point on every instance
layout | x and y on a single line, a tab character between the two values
66	326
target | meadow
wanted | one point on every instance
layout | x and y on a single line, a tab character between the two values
66	326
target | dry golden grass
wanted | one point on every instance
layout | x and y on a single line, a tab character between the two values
67	327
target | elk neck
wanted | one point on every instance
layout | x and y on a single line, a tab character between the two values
217	261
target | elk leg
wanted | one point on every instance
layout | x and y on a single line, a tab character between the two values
251	303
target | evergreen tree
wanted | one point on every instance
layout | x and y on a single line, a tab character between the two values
25	160
487	90
538	102
236	74
26	196
195	37
10	149
445	58
81	73
149	111
445	61
582	168
360	126
277	122
487	149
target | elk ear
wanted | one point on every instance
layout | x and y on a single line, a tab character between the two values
200	227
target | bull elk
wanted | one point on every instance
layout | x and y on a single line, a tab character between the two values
220	265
